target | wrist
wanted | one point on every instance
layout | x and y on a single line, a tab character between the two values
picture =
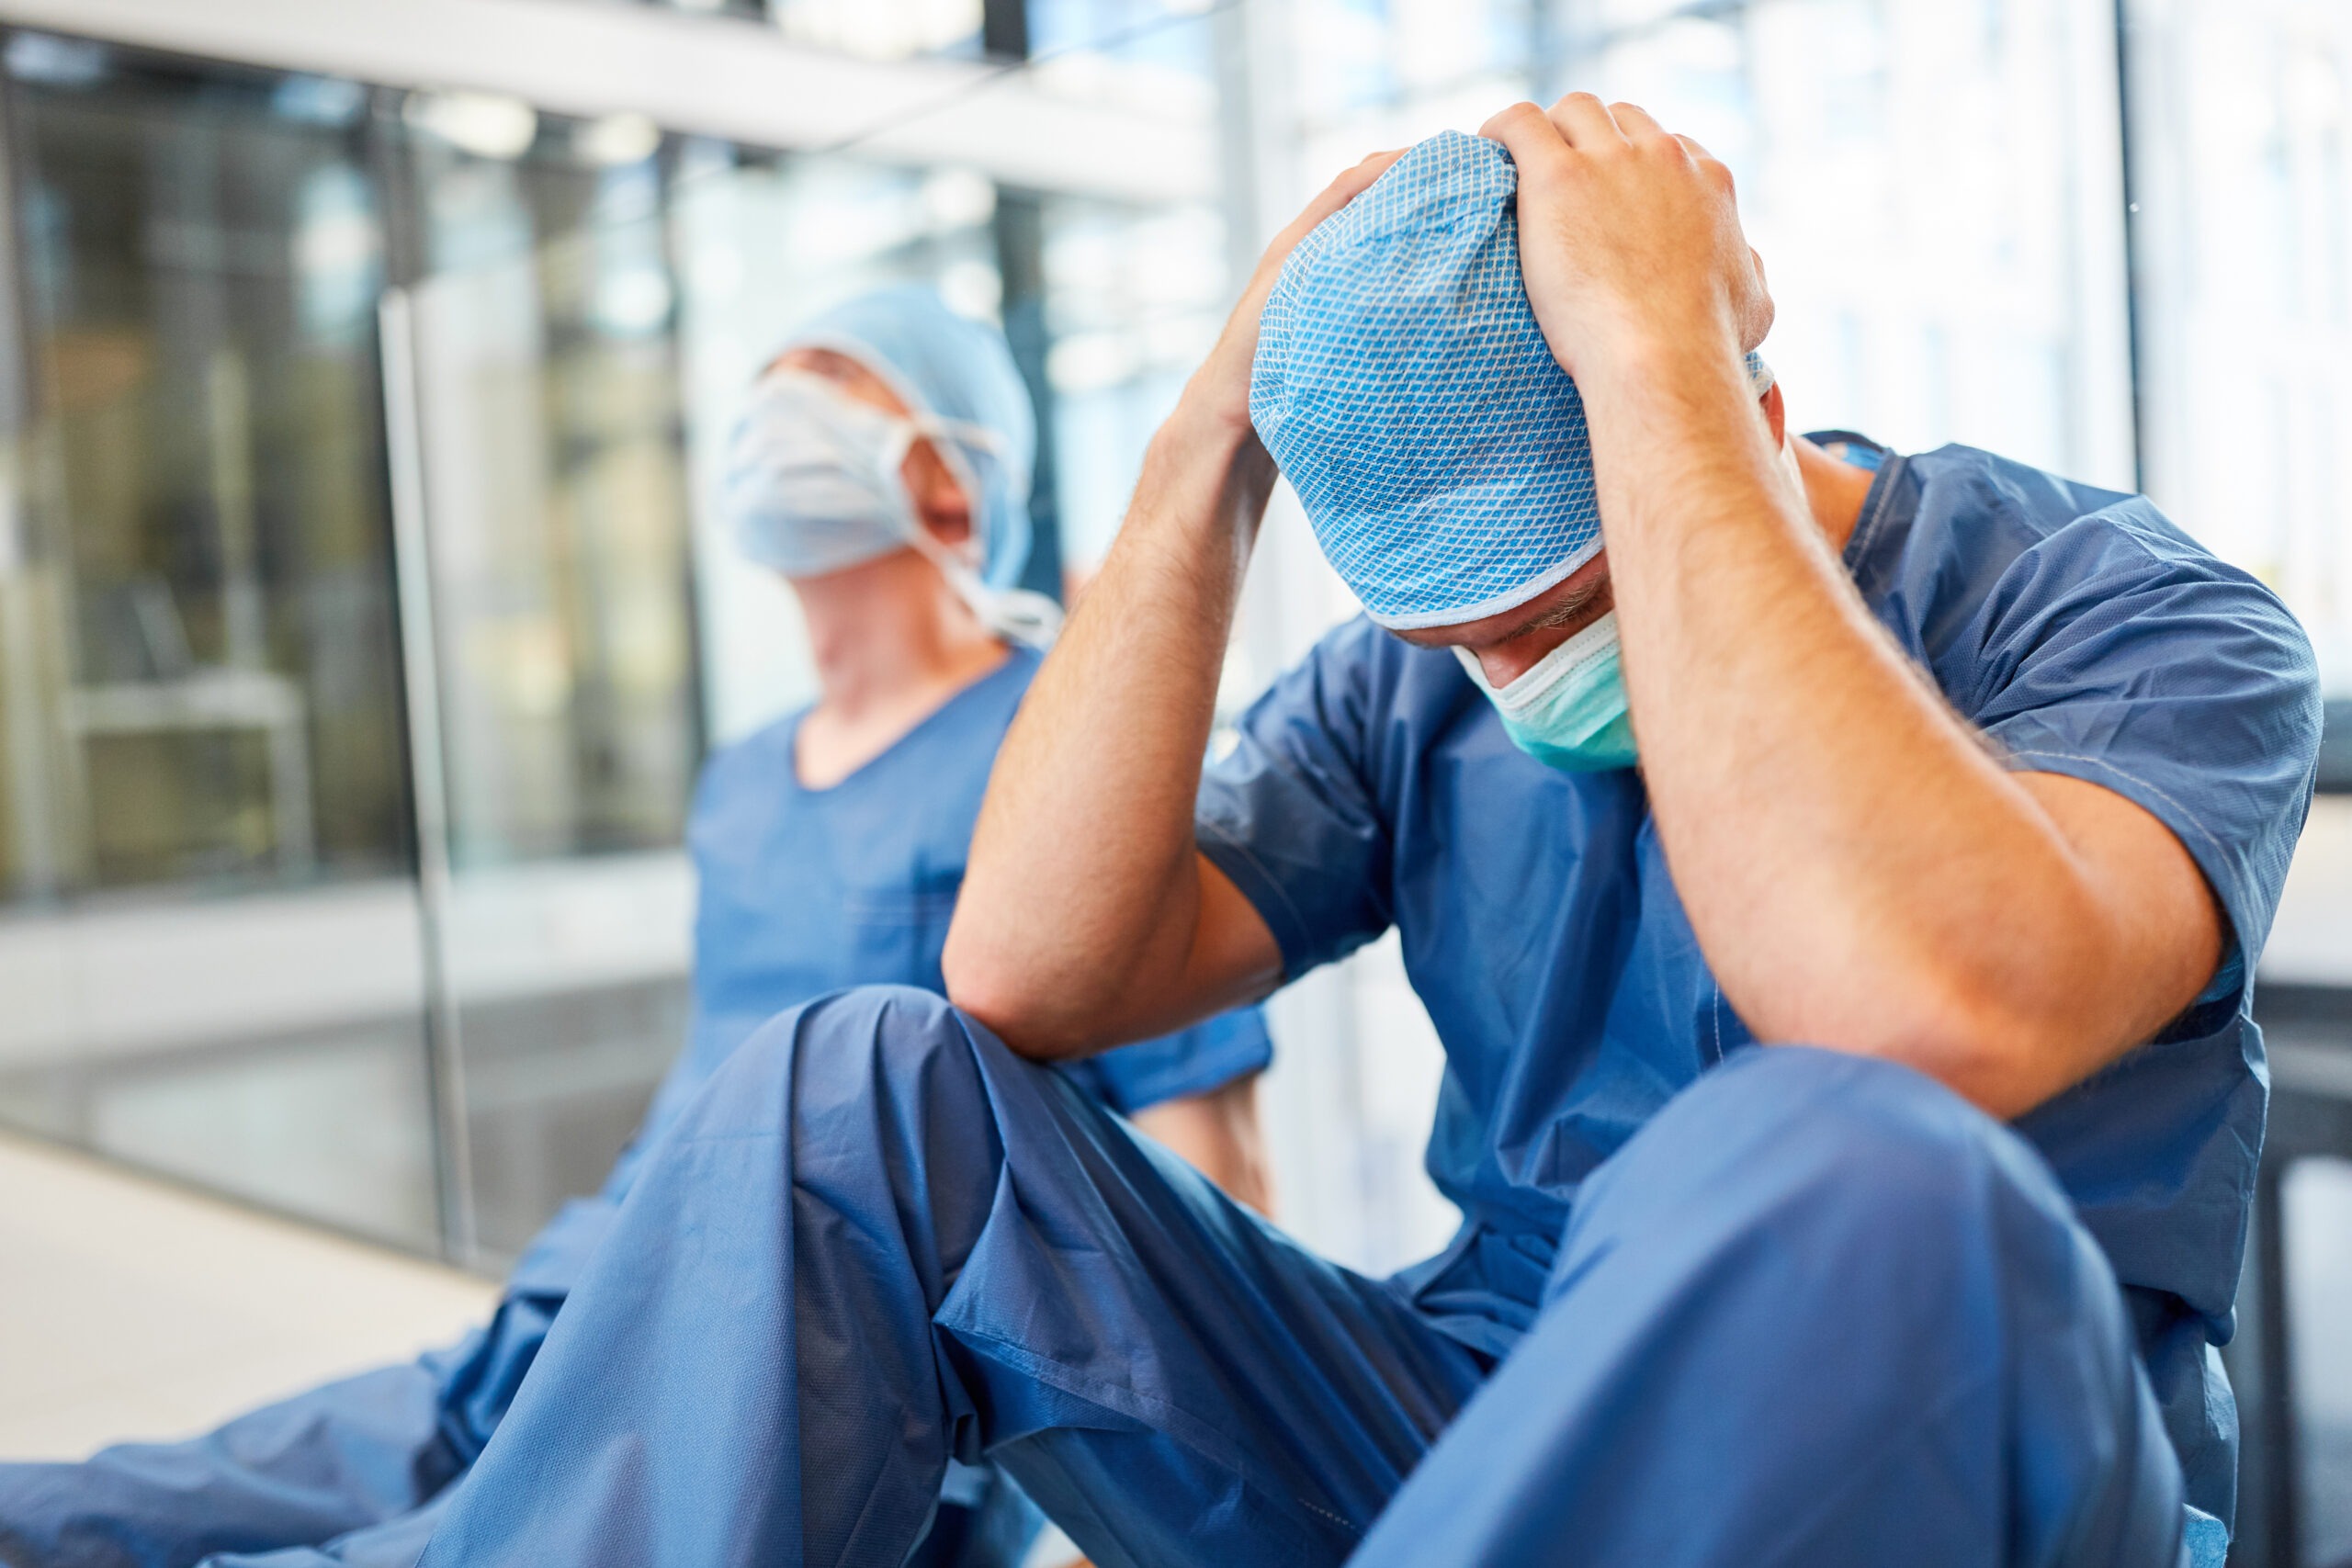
1658	354
1209	464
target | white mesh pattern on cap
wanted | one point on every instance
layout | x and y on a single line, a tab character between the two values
1403	385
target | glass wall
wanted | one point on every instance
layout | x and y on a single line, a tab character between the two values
211	935
559	608
1935	188
334	822
2242	192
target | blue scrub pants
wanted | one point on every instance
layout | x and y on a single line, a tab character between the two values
355	1474
1818	1311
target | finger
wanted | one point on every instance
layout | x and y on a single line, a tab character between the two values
1352	180
1349	183
1527	132
1585	121
1638	126
1760	311
1714	168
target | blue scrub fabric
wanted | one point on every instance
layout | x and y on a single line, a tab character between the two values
1810	1269
1748	1306
2077	629
801	892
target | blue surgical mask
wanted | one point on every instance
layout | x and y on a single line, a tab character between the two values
1568	709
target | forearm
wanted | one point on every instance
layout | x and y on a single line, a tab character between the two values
1083	896
1860	870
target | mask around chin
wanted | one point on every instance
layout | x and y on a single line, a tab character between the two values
1567	710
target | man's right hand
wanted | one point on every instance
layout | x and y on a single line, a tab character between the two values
1219	389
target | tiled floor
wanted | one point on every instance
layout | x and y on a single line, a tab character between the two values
133	1309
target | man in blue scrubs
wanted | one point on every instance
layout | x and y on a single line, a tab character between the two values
827	848
1839	899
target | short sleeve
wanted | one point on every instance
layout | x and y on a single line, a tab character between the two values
1287	812
2116	652
1206	1057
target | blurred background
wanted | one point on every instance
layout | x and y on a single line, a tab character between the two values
365	366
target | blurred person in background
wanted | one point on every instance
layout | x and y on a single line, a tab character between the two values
882	466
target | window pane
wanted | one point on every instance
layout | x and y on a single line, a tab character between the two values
2244	186
1933	185
576	391
202	766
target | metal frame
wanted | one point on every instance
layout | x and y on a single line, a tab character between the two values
428	779
705	75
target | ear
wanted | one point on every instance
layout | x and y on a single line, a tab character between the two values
939	502
1776	414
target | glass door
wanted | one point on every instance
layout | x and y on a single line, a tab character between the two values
208	922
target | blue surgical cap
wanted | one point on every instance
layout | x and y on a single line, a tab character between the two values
1405	388
944	364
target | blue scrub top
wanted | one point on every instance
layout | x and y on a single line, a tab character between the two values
1373	785
805	891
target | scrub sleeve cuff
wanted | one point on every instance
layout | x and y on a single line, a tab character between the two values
1266	894
2224	871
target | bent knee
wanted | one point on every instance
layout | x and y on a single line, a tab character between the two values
1905	1142
848	1047
1828	1144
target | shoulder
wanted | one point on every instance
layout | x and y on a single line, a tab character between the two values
761	751
1358	684
1965	553
744	771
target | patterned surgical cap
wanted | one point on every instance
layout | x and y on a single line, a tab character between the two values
1404	387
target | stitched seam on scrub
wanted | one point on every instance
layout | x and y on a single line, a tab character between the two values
2190	816
1298	918
1865	537
1162	1416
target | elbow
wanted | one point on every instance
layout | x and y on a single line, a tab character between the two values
1017	1007
1981	1051
2005	1041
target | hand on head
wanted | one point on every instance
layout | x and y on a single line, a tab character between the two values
1221	387
1629	236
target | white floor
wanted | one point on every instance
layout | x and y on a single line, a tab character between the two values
133	1309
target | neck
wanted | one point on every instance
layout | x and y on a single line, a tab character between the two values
1834	490
888	632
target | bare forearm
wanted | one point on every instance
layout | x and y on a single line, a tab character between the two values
1860	871
1088	816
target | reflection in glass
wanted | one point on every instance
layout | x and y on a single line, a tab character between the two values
213	940
561	614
